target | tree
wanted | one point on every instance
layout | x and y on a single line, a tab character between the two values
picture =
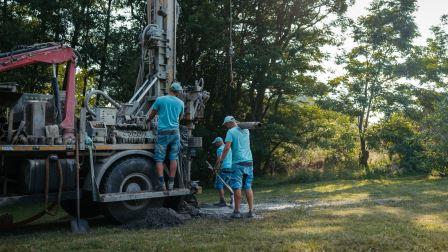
277	52
399	136
277	49
371	84
298	126
429	63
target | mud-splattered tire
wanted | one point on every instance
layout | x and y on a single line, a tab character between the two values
132	174
89	209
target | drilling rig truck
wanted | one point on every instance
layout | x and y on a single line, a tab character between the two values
50	146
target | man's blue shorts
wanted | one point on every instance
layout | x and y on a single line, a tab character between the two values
225	174
242	177
163	142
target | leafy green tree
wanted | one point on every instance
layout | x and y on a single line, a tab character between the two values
434	136
298	126
371	84
277	47
400	137
429	63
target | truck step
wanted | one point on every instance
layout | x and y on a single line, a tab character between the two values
124	196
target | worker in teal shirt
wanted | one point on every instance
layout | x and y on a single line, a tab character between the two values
224	172
169	109
238	143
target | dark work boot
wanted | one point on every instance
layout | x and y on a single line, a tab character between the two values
251	214
236	215
161	185
171	184
221	203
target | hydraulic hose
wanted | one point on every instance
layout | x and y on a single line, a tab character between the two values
98	92
55	86
47	183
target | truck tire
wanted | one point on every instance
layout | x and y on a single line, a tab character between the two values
131	174
89	209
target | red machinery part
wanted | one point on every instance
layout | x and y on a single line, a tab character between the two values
56	54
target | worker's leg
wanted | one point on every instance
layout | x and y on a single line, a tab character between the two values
250	198
247	185
174	142
236	184
219	186
159	167
173	168
221	195
159	157
237	196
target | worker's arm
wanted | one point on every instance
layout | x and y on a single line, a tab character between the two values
152	113
181	115
224	152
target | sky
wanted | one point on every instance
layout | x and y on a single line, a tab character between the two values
427	15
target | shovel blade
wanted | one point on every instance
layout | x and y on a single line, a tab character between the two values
79	226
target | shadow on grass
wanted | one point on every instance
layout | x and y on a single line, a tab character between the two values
60	225
398	226
417	221
369	189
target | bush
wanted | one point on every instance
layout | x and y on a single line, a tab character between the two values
435	137
400	137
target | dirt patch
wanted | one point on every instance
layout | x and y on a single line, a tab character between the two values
210	211
159	218
166	217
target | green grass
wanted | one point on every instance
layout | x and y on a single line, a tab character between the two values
416	219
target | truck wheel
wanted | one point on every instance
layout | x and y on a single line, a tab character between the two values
132	174
89	209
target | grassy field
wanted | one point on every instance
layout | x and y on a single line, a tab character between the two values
395	214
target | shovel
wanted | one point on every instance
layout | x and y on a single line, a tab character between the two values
232	199
79	226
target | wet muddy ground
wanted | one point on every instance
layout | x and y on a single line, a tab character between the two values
164	217
211	211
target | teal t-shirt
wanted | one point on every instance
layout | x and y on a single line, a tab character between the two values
169	109
240	139
227	162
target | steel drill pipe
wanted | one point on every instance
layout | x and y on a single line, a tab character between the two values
250	125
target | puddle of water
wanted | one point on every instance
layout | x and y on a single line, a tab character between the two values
225	212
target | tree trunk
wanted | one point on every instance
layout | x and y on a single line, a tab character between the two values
364	155
5	10
84	87
78	24
259	103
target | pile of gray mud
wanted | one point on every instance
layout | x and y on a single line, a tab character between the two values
164	217
158	218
